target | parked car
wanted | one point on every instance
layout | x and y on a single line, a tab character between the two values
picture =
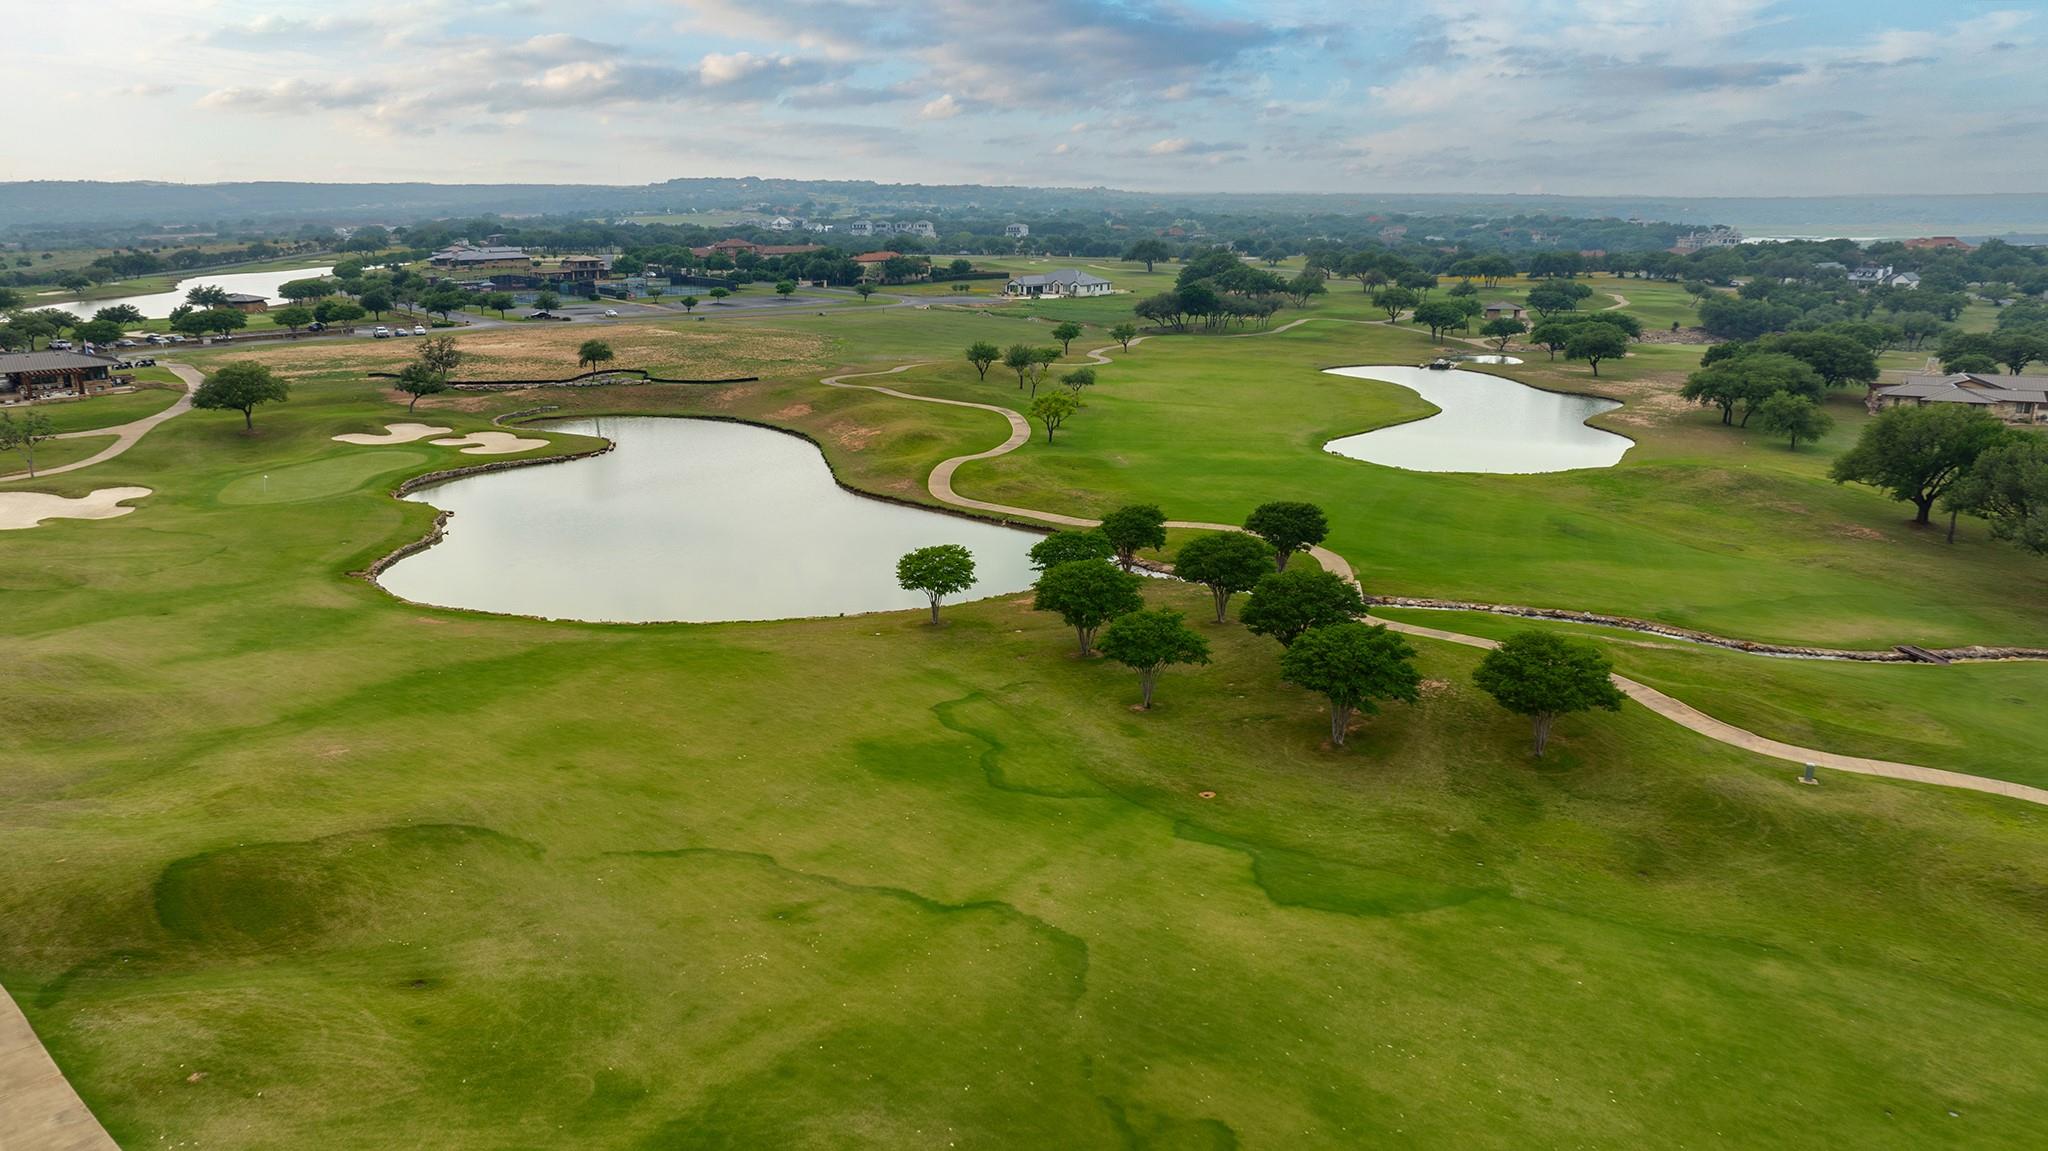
60	345
401	330
175	339
382	332
124	343
611	311
419	329
316	326
154	340
145	362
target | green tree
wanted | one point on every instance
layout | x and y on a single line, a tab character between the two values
937	571
1123	334
1149	642
97	332
1503	331
689	303
865	290
1065	547
416	379
1394	301
24	434
1747	380
1917	453
1552	335
1053	409
785	288
1227	562
1041	359
718	294
1066	333
1078	379
1437	315
309	289
1354	666
1087	594
1543	675
293	318
1288	526
593	353
207	296
337	312
499	302
1018	358
1794	417
2008	486
1835	358
1593	342
445	301
376	301
1149	251
981	354
1285	604
126	315
547	301
239	386
1132	528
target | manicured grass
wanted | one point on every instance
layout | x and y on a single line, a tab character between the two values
50	454
106	411
401	876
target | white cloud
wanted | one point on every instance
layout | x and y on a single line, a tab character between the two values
943	108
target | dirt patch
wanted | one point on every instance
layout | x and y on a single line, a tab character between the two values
546	351
853	437
792	412
1858	532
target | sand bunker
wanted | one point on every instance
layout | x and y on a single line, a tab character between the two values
28	509
395	434
491	443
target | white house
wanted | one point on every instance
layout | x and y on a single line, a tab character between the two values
1870	276
1065	282
861	228
922	229
781	224
1016	231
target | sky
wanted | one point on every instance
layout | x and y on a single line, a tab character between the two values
1585	97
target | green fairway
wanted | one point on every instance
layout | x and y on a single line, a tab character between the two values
107	411
381	875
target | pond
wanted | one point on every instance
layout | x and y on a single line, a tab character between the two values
157	305
688	520
1487	424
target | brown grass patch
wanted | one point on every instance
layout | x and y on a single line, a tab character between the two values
792	412
853	437
1859	532
541	351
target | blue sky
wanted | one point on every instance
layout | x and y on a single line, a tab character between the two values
1697	98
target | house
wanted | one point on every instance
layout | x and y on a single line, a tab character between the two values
468	257
1393	233
861	228
734	247
1065	282
1933	243
922	229
1703	240
33	375
244	302
781	224
2014	399
1016	231
1872	276
1504	310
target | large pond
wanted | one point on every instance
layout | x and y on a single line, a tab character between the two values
1487	424
157	305
690	520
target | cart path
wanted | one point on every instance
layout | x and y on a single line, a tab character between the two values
940	485
125	435
38	1109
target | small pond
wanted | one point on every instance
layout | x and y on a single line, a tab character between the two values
157	305
1488	424
688	520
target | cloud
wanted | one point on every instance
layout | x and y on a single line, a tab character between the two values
943	108
296	96
1182	146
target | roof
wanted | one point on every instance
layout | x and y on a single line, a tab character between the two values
470	255
246	298
1972	388
1072	276
875	257
11	362
1504	304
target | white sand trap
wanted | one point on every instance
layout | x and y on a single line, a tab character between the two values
395	434
491	443
29	509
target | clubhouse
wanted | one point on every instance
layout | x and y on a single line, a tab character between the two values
1065	282
2014	399
34	375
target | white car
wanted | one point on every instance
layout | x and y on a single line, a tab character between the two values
382	332
419	329
611	311
60	345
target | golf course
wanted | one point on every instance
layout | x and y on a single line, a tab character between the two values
296	862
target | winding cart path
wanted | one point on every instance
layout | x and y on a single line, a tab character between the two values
940	485
125	435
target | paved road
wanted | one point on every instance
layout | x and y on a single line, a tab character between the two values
125	437
940	484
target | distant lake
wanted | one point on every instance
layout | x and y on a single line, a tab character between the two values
687	520
157	305
1487	424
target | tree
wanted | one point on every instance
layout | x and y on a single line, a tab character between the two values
937	571
440	356
1552	335
1132	527
547	301
376	301
1053	409
1065	547
1917	453
293	318
1793	416
1354	666
239	386
593	353
1285	604
1548	299
1287	526
96	331
1078	379
689	303
1017	358
1593	342
1123	334
445	301
1066	333
1748	379
416	380
981	354
310	289
1149	642
865	290
1835	358
126	315
1228	562
785	288
1150	251
1394	301
1503	331
718	294
499	302
2008	486
337	311
1543	675
1041	359
1438	315
24	434
1087	594
207	296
